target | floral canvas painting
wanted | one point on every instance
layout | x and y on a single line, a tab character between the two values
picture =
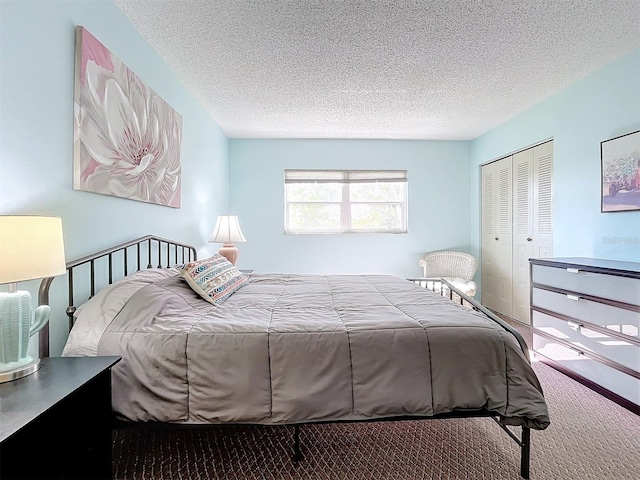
127	139
621	173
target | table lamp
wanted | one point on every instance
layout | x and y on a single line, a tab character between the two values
228	232
31	247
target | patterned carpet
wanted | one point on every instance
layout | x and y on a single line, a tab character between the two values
589	438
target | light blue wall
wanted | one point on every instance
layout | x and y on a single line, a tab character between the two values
36	151
36	134
602	106
439	200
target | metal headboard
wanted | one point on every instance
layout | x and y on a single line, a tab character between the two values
148	248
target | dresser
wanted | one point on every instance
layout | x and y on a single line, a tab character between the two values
585	316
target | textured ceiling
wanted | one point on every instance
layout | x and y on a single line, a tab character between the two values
439	69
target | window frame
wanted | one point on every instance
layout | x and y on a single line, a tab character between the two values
345	178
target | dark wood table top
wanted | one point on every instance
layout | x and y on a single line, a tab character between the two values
25	399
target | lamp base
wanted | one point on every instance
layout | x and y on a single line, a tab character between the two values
230	252
21	371
17	325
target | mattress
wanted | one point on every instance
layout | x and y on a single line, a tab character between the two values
287	349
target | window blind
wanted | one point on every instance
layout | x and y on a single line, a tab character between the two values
344	176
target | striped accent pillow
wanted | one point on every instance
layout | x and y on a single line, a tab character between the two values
214	278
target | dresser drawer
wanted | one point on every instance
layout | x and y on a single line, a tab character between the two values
620	351
608	377
621	289
613	318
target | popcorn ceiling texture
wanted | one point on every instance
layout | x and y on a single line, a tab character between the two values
440	69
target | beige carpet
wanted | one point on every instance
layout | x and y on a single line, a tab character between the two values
589	438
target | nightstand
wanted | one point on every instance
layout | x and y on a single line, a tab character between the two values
56	422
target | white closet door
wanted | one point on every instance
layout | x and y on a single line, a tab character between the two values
516	226
489	232
496	236
503	239
523	248
542	205
532	224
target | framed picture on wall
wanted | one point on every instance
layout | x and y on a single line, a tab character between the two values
127	138
620	157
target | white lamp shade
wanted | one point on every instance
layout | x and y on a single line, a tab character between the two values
227	230
30	247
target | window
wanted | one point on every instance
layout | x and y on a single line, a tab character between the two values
345	201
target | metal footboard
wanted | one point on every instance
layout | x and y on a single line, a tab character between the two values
446	289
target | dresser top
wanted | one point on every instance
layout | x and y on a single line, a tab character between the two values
598	265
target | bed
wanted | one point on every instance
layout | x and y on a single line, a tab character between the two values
291	349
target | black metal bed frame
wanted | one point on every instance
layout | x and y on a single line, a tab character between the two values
154	248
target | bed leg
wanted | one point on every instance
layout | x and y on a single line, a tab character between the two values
297	452
525	454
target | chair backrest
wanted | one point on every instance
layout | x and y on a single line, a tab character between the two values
449	264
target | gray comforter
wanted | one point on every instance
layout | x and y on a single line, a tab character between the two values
302	348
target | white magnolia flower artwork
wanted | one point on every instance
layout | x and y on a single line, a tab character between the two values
127	138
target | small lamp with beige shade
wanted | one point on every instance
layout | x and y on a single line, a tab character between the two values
31	247
228	232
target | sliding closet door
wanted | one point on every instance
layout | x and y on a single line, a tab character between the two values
496	236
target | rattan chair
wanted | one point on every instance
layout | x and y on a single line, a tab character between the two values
458	268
